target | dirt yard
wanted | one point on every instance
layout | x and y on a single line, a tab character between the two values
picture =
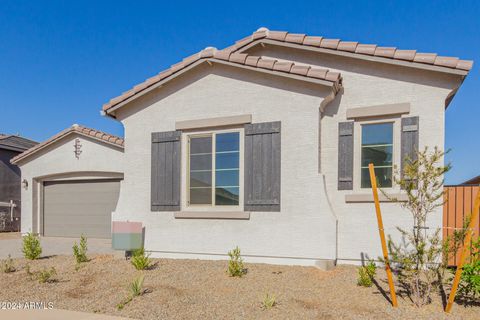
195	289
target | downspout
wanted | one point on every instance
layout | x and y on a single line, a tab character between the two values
323	105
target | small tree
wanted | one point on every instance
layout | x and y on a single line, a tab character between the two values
31	246
418	257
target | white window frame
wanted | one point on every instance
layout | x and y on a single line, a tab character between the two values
357	156
186	171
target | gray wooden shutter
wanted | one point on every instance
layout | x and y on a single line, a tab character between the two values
345	156
165	177
409	139
262	166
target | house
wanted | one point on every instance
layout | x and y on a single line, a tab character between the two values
265	145
10	146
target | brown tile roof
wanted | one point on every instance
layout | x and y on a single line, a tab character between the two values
355	47
212	54
88	132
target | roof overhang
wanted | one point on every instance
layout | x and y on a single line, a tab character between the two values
73	130
334	85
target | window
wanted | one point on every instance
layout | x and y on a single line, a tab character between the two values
377	148
214	169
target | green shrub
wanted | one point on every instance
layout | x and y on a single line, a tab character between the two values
135	288
366	274
235	265
269	301
7	265
141	260
46	275
469	287
31	246
80	252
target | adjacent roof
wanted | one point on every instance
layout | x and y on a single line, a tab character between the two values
15	143
78	129
280	67
354	47
473	181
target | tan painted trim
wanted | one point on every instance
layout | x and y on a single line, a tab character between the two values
380	110
368	197
213	122
410	64
212	215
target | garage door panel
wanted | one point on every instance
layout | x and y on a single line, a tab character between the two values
72	208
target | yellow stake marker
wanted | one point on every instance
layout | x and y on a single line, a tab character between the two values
373	181
466	243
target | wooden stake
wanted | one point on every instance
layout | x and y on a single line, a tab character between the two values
373	181
463	256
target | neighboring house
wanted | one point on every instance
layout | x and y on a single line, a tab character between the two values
10	146
73	183
474	181
265	145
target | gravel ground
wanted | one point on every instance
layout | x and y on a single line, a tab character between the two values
196	289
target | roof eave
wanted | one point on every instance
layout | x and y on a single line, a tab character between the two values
111	111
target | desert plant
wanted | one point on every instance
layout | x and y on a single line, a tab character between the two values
235	265
7	265
140	260
46	275
469	287
269	301
417	259
31	246
135	288
80	251
366	274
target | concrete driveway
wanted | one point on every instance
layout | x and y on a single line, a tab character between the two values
11	243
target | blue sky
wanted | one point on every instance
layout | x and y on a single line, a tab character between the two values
61	60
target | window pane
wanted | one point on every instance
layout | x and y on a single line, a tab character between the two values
379	156
201	179
227	178
227	196
384	177
228	142
201	196
200	145
377	133
227	160
200	162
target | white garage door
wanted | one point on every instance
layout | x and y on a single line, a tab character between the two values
73	208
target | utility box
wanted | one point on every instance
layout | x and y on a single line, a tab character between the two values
127	235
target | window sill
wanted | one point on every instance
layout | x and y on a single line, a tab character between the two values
227	215
368	197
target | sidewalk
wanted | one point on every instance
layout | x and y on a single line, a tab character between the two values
54	314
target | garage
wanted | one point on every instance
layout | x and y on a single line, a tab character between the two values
73	208
71	183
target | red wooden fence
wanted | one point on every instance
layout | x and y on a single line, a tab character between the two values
458	205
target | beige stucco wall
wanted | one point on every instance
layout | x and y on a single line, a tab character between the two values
305	229
369	84
58	161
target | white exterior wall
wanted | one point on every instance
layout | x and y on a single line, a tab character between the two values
369	84
304	229
58	162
